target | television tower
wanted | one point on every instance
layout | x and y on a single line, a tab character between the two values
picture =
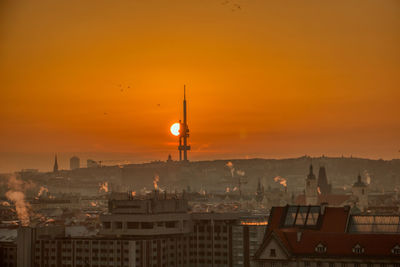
184	133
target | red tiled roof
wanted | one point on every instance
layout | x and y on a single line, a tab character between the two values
335	219
275	217
332	234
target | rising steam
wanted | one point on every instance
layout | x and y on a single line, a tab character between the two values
240	173
281	180
17	196
233	170
367	177
156	179
230	166
42	190
103	187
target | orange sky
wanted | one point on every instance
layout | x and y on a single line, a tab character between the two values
273	79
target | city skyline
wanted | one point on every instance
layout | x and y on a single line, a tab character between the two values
264	79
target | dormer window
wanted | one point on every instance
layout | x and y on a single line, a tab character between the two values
320	248
272	253
396	250
358	249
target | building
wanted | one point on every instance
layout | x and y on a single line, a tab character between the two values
55	167
319	236
360	193
151	231
324	187
359	199
74	163
248	235
311	191
8	247
92	164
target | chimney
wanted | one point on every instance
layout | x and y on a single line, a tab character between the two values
299	234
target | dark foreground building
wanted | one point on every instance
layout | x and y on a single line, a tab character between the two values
157	231
318	236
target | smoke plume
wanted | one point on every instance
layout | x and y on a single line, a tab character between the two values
156	179
16	194
230	166
367	177
281	181
20	205
103	187
240	173
42	190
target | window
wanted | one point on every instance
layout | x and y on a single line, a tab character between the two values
171	224
133	225
118	225
272	252
358	249
396	250
320	248
147	225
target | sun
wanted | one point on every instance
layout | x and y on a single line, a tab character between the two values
175	129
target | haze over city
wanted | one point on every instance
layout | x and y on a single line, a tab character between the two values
197	133
268	79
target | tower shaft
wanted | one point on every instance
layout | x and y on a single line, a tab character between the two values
184	148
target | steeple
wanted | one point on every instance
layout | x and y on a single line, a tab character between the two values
359	182
260	191
311	174
311	192
55	168
323	181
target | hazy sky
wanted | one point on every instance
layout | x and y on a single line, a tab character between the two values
271	79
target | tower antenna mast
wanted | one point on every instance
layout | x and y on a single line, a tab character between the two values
184	133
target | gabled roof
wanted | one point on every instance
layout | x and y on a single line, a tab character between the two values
332	232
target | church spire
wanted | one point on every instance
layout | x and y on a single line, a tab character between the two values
311	174
55	168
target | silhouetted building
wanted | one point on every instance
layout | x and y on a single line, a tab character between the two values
74	163
169	160
360	192
318	191
156	231
8	247
311	188
327	236
92	164
55	167
260	191
324	187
